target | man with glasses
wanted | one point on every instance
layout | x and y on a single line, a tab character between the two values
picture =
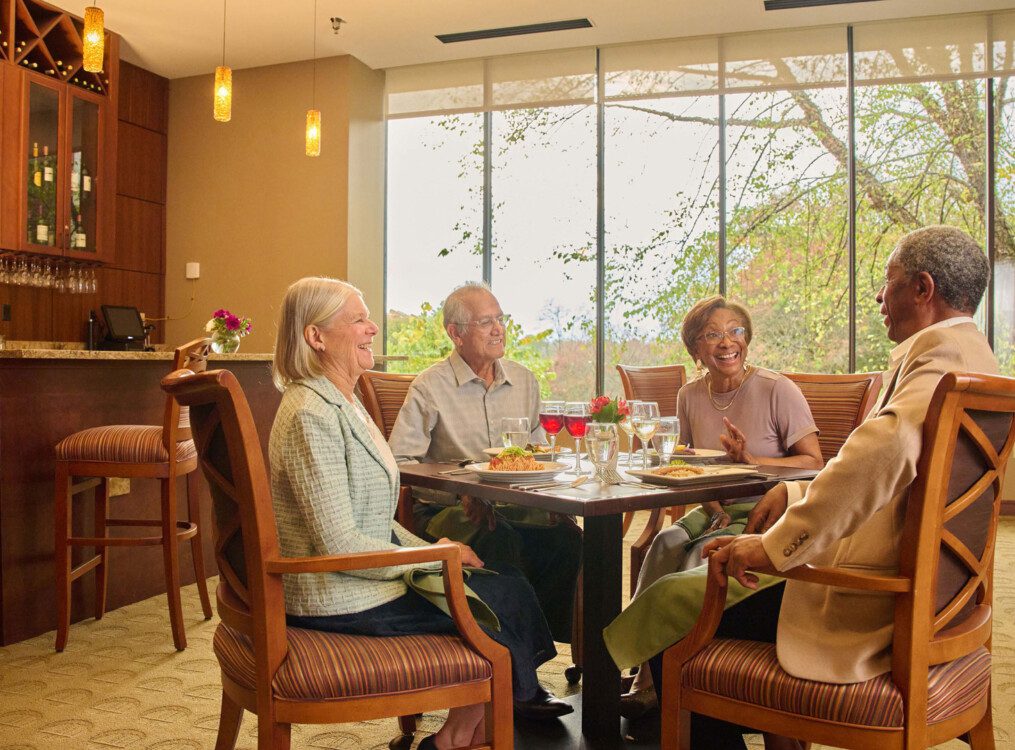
453	412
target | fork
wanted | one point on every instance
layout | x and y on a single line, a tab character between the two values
609	475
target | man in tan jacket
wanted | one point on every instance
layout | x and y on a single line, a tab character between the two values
851	514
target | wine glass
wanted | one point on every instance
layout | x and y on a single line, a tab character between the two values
628	427
646	418
576	419
514	432
601	441
666	437
551	419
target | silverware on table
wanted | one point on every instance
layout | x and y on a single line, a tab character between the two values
451	472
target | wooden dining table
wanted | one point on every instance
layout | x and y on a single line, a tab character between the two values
601	508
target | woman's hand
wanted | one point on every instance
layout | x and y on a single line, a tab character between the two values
469	558
735	444
479	512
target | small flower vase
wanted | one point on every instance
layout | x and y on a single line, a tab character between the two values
224	343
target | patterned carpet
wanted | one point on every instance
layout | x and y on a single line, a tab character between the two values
120	683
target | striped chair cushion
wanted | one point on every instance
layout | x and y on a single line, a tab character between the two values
748	671
121	443
329	665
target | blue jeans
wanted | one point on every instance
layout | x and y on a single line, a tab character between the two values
523	629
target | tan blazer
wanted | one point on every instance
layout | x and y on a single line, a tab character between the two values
852	513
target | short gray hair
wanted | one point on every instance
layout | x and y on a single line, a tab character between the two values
455	310
954	260
312	300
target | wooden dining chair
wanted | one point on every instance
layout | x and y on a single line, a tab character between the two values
288	675
939	684
97	454
838	403
383	394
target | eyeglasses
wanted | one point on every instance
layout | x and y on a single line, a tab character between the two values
485	324
715	337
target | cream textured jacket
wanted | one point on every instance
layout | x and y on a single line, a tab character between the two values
332	493
851	514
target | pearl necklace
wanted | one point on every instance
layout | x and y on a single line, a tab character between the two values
748	369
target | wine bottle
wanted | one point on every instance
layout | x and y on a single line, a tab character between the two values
47	166
86	181
36	172
41	230
82	238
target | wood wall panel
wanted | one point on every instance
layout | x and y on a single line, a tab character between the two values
141	168
144	98
140	235
31	313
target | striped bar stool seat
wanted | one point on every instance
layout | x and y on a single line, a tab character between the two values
326	666
122	443
748	671
89	459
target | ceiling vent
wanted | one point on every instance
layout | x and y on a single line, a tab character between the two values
788	4
532	28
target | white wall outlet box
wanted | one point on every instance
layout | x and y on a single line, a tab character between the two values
193	270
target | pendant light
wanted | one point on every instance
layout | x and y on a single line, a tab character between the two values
223	104
94	41
314	114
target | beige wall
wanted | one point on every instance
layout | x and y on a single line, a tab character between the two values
245	202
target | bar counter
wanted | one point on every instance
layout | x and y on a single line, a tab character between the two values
47	394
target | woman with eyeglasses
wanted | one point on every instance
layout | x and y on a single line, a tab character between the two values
754	414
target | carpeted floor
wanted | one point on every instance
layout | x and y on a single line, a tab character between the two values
120	683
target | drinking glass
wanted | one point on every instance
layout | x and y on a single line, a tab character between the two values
666	437
601	441
514	432
646	418
577	415
551	419
628	427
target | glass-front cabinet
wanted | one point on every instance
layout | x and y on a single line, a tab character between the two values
63	145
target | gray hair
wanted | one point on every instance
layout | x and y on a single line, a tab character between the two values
313	300
455	310
954	260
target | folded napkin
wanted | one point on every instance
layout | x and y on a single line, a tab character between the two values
454	524
430	585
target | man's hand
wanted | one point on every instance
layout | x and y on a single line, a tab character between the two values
735	444
479	512
768	510
734	556
469	558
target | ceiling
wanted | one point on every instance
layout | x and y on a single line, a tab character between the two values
178	38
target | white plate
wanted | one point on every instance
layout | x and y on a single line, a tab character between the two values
700	454
538	456
711	475
552	469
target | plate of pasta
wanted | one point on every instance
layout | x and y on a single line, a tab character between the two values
514	464
680	474
539	452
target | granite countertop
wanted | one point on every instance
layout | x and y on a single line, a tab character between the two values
73	350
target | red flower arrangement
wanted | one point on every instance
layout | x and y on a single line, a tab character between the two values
606	409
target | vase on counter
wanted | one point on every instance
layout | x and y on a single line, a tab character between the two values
225	343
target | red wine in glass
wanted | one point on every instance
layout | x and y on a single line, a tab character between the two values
576	425
552	423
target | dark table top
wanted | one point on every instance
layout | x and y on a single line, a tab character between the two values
592	498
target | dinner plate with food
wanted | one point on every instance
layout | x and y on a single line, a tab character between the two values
696	455
539	452
679	474
516	464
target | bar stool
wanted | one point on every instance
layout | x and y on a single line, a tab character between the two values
99	453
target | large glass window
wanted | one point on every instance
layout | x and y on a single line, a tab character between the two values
662	226
1004	229
434	228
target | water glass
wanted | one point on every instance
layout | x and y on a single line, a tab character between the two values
551	419
666	437
577	415
514	432
627	425
602	443
645	417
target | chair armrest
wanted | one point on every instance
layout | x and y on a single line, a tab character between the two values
363	560
454	587
846	579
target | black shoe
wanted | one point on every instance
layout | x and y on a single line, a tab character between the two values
401	742
427	743
545	705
